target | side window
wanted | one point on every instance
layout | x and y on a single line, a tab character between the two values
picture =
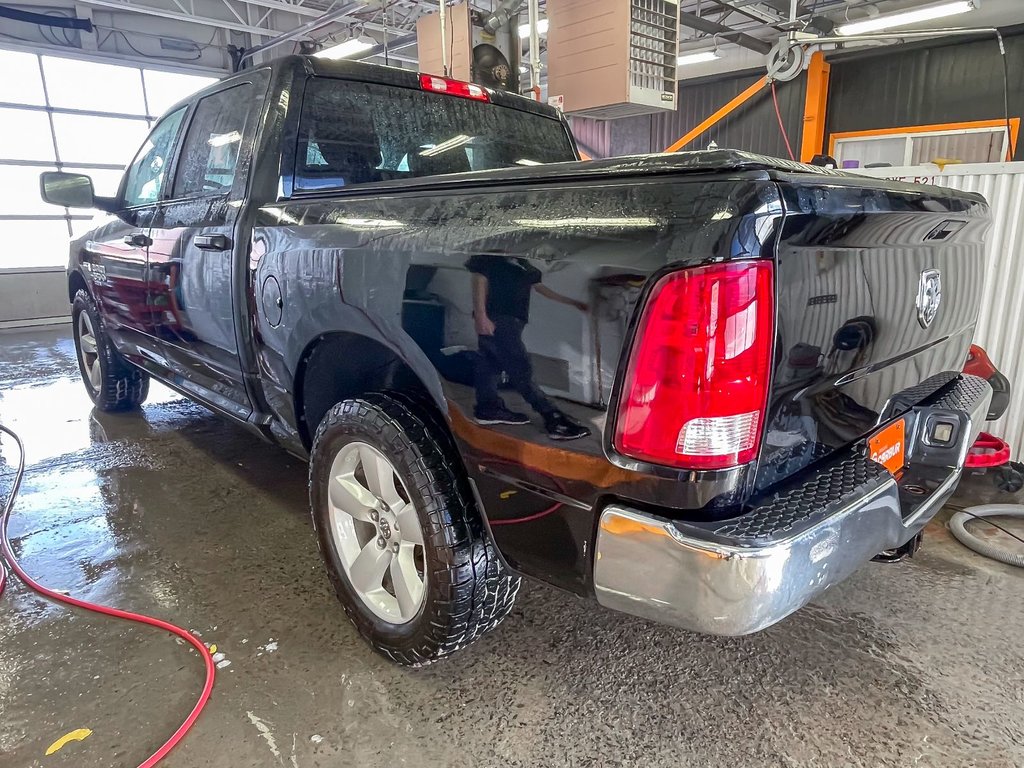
206	165
146	172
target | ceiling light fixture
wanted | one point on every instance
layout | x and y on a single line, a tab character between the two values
542	28
350	47
698	58
904	18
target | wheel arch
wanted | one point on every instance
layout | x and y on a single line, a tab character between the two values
339	365
76	283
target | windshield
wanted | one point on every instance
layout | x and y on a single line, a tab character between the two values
356	133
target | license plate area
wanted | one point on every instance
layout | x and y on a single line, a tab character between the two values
888	446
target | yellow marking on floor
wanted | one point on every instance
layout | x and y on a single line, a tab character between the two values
76	735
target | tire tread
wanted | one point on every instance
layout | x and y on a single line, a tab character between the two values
478	593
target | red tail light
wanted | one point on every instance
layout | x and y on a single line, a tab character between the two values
453	87
697	380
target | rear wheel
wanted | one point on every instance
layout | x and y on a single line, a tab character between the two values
112	383
403	543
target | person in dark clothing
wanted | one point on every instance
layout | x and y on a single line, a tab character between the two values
501	309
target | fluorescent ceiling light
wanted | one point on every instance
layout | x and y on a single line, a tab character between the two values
371	223
444	146
697	58
913	16
542	28
631	222
350	47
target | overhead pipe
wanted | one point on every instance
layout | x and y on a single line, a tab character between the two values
309	26
444	38
534	19
502	15
406	41
724	32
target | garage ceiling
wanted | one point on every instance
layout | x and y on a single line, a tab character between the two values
214	25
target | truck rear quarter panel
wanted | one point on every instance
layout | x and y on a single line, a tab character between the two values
393	267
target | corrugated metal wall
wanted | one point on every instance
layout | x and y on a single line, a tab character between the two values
753	127
1001	322
593	137
948	82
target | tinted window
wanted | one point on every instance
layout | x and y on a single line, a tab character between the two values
210	153
353	133
146	173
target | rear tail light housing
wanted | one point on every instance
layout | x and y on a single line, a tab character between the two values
454	87
696	383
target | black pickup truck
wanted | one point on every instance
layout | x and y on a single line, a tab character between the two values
699	388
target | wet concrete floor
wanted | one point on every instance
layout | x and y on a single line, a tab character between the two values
176	513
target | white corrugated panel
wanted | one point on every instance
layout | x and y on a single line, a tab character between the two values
1001	322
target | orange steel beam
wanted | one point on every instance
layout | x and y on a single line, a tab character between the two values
815	103
739	101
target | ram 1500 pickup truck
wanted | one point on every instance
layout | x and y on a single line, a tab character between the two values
699	388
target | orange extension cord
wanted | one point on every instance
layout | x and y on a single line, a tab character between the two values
8	556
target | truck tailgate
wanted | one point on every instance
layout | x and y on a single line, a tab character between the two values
878	290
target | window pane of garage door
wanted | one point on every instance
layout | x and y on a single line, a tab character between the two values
165	89
21	82
19	191
25	135
76	84
34	243
87	139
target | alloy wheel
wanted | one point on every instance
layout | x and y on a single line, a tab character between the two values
376	533
87	351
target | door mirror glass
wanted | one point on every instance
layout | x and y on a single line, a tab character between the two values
72	190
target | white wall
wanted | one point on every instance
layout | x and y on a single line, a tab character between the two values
33	296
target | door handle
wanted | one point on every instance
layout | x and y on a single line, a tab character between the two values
212	242
138	240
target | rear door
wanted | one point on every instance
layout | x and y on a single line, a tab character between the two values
116	254
192	256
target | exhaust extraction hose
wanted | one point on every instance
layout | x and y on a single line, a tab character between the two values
958	527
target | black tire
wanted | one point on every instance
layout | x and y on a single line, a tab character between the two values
468	591
120	386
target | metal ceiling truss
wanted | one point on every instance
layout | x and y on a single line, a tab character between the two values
752	24
257	17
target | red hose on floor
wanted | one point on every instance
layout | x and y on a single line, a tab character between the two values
8	555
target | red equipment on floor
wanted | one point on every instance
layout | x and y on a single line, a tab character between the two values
989	451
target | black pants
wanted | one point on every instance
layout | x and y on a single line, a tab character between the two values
505	351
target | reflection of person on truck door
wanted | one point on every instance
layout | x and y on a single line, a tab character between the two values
501	310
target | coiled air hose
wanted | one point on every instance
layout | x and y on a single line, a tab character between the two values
958	527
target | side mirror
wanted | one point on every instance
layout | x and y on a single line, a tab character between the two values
73	190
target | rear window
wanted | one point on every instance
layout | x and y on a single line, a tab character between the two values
356	133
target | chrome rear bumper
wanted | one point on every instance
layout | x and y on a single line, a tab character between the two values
738	576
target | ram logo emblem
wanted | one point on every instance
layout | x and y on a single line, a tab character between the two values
929	296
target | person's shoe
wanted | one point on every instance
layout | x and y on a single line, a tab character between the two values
561	427
499	414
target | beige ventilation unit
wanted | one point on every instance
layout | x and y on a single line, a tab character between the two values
613	58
